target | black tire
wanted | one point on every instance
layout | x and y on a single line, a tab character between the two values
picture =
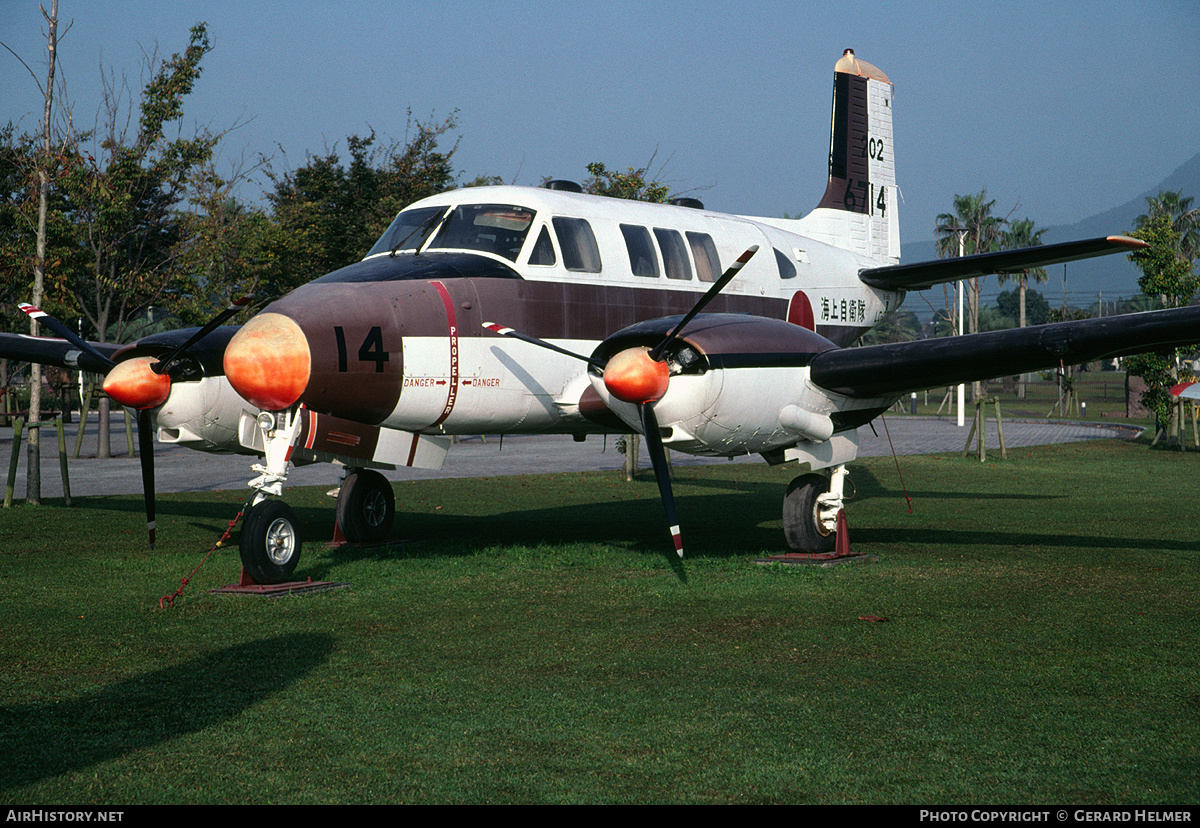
801	526
270	542
366	507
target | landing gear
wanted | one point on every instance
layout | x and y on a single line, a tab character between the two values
810	510
270	542
366	507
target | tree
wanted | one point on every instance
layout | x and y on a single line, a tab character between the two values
631	184
124	200
1035	307
1019	234
228	249
970	229
1183	218
1168	272
329	214
23	168
901	326
980	232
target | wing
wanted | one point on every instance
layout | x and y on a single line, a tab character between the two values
919	275
885	370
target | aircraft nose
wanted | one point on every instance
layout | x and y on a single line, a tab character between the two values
268	361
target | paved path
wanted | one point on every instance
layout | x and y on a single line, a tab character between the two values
182	470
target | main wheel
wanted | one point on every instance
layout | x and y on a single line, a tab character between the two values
366	507
801	516
270	542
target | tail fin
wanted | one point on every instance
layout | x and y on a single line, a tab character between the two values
859	209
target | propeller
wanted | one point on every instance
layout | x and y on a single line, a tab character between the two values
640	375
142	383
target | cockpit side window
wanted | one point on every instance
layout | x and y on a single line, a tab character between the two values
492	228
408	231
708	263
543	250
577	242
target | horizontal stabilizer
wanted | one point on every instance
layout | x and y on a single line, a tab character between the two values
896	368
919	275
58	352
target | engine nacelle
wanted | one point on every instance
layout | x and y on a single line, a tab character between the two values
738	385
204	416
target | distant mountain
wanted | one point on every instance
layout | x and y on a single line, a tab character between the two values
1112	276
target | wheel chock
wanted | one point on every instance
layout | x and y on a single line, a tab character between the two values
841	553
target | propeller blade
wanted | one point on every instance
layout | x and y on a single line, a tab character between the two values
503	331
164	364
717	287
658	459
66	333
146	450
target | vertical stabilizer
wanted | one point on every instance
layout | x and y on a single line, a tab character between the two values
859	209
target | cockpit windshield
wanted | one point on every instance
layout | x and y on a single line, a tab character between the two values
492	228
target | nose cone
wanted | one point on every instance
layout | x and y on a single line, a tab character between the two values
634	377
134	384
268	362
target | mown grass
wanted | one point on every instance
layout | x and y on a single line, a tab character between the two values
531	642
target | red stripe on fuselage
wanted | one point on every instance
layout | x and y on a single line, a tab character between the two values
452	324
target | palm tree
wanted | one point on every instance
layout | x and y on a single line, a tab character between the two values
1022	234
1184	218
980	232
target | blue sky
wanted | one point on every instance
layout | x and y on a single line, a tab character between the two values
1060	110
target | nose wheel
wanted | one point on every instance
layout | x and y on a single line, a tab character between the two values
270	542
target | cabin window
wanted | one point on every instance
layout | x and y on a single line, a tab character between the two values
492	228
408	231
543	250
578	245
674	253
642	258
787	270
708	264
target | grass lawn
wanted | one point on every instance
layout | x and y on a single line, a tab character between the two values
531	642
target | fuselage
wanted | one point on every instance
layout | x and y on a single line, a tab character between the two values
396	340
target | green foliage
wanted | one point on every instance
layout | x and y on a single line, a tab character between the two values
330	213
1184	218
901	326
1167	270
21	157
972	229
1159	372
631	184
124	202
1037	309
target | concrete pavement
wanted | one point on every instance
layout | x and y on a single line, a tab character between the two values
183	470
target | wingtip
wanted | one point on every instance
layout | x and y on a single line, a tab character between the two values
1128	241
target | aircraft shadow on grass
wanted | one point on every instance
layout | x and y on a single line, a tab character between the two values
49	739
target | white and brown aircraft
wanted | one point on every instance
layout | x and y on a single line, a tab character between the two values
502	310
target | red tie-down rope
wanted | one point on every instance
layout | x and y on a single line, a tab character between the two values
169	600
903	487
